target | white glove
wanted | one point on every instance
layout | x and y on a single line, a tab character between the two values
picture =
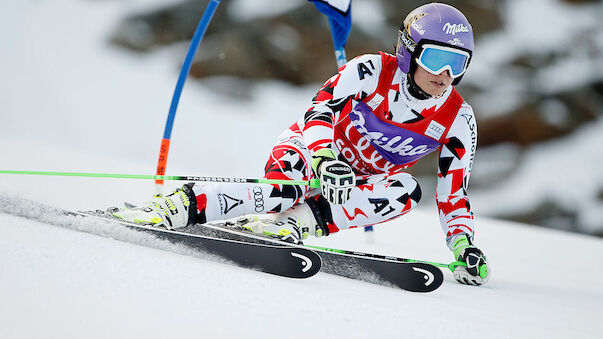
337	178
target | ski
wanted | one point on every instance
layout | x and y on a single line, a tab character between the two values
249	250
277	259
407	274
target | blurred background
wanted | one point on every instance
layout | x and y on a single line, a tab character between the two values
535	84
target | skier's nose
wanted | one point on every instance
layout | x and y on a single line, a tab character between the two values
445	74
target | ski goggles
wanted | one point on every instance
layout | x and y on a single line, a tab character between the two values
435	59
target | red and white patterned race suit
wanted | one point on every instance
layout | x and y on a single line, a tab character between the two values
366	114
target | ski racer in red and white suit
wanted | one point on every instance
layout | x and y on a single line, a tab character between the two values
371	121
367	115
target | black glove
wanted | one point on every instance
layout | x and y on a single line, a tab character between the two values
476	272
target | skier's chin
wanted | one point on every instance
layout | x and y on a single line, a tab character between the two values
435	89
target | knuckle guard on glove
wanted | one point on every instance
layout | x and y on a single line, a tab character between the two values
474	259
336	181
476	272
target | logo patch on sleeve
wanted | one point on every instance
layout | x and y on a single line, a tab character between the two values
435	130
375	101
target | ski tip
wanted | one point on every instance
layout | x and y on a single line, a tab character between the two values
309	262
427	279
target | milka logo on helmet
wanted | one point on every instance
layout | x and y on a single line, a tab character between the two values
456	42
403	147
455	28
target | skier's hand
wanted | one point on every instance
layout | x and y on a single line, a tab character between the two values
477	271
337	178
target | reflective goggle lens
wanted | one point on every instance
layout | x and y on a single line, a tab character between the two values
435	59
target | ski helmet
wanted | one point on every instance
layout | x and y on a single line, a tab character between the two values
437	24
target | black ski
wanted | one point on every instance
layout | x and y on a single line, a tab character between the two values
287	261
406	274
252	251
410	276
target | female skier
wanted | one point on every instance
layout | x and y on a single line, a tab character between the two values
368	123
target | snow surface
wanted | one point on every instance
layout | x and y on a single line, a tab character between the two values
70	102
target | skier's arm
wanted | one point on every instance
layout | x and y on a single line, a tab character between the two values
456	217
332	103
456	160
335	99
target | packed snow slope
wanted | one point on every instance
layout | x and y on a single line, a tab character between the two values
59	283
68	102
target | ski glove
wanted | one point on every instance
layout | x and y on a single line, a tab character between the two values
476	272
337	178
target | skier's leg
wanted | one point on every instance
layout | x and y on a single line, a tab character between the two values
376	199
287	161
202	202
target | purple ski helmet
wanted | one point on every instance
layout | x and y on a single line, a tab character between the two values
433	23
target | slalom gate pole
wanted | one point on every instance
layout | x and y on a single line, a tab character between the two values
340	56
186	66
314	183
341	59
450	266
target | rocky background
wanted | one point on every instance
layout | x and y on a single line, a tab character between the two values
543	99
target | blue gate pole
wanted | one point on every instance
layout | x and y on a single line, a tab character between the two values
186	66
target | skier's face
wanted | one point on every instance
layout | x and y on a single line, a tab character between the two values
431	84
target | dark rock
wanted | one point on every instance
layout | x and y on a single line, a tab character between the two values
484	16
581	2
295	46
550	116
146	31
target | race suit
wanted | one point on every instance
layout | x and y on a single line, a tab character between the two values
367	116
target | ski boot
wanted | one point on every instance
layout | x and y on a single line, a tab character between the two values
292	225
171	211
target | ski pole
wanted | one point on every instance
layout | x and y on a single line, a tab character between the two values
186	66
314	183
452	266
